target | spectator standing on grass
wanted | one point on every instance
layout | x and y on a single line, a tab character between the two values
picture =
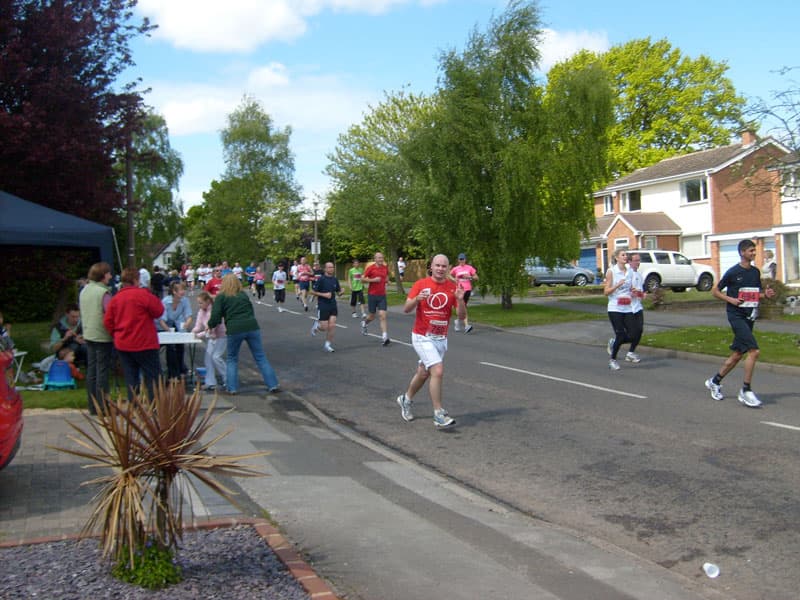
742	285
326	288
464	274
233	306
769	269
433	299
94	300
376	275
130	320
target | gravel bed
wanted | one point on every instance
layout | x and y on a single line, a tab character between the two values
233	563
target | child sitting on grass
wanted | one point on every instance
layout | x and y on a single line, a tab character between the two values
68	356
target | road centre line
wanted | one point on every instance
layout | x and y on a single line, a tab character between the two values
562	380
781	425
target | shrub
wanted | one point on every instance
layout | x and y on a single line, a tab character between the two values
149	447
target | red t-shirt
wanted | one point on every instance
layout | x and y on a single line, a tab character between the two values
379	287
213	285
304	272
433	313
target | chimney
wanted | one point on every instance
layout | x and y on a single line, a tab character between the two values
748	137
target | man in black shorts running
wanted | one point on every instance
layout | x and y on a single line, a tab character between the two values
742	285
326	288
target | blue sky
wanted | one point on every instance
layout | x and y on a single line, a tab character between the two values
317	65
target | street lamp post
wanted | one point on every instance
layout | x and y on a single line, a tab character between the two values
315	249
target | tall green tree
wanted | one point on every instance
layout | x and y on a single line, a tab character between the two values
372	205
665	103
157	168
505	171
254	210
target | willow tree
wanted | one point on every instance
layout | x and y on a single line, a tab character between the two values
504	170
372	204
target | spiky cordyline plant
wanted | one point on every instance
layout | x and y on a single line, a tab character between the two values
150	448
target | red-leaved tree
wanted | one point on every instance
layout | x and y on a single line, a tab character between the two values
61	120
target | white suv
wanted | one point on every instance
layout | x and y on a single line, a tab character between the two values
667	268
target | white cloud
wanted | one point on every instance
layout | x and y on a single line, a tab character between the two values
244	25
560	45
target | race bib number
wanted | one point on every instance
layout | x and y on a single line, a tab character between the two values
437	329
624	301
749	297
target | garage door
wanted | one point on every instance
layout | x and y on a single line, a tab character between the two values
728	256
588	259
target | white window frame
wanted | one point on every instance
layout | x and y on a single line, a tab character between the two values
649	242
621	243
703	181
626	200
608	204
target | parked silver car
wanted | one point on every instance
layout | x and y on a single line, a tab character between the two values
562	272
667	268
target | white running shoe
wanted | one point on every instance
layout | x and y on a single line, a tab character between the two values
748	398
364	328
315	328
610	347
327	347
405	407
632	357
442	420
355	315
456	326
715	389
613	365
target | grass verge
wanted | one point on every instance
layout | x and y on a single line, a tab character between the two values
776	348
526	315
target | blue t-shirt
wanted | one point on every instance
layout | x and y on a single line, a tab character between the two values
326	284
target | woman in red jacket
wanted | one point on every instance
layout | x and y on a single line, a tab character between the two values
130	320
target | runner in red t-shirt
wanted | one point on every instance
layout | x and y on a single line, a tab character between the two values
304	276
376	275
433	298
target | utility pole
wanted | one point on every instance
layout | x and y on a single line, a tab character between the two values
315	248
129	197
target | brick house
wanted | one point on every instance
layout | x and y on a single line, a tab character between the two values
700	204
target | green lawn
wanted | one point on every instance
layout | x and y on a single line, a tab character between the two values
526	315
778	348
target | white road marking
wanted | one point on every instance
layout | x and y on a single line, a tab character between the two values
562	380
781	425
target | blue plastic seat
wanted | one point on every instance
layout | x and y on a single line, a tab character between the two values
59	377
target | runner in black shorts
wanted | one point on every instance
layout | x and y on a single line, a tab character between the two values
742	285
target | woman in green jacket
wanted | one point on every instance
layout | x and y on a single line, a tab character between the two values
233	305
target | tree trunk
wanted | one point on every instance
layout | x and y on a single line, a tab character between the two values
505	300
